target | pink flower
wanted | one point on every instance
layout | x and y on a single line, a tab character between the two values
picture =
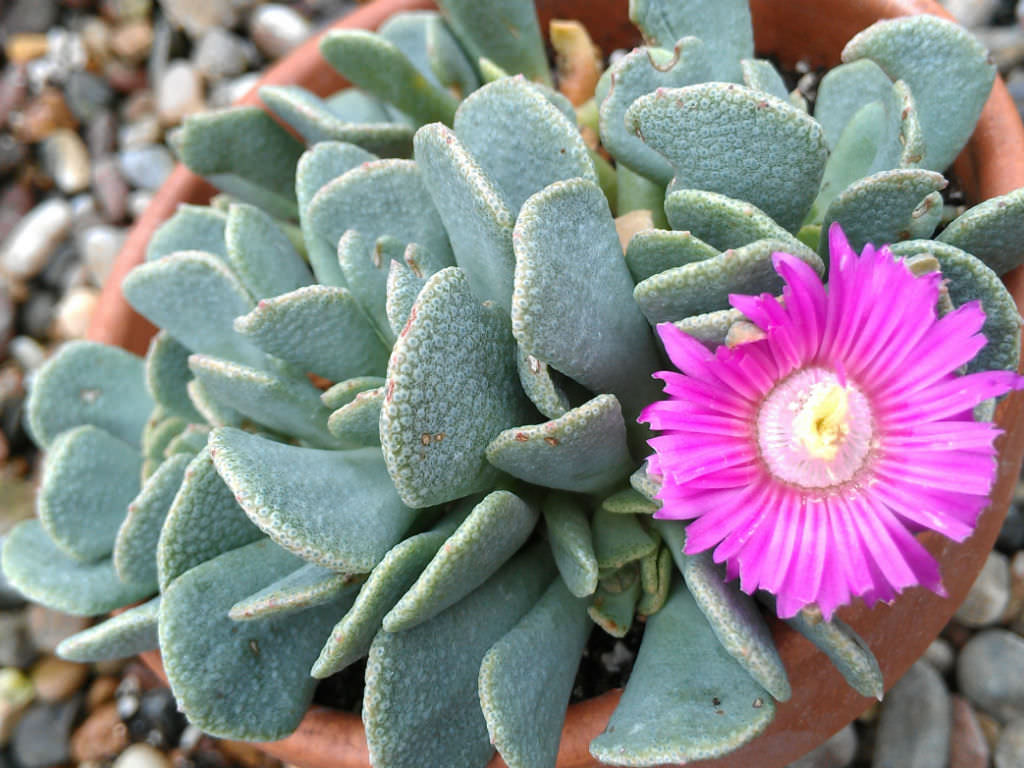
808	458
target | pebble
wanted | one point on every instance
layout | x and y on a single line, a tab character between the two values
1010	750
12	153
99	247
147	166
991	729
25	250
142	756
982	673
101	691
101	133
837	752
124	77
968	747
101	737
27	352
110	189
15	201
139	133
49	628
987	599
96	36
138	201
25	47
157	720
30	16
87	95
13	91
132	41
228	92
6	325
940	654
914	727
179	93
74	312
46	113
41	736
127	10
197	17
57	679
220	54
16	693
66	158
1011	535
35	316
277	29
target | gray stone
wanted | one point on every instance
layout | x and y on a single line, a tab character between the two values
146	167
12	152
42	735
987	599
27	352
1010	749
968	747
16	693
179	92
220	54
16	647
37	314
226	92
101	133
48	627
58	274
277	29
915	723
87	94
29	245
940	655
989	673
197	17
1011	535
6	329
138	201
110	189
30	16
837	752
972	13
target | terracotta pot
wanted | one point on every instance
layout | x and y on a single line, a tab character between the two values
992	164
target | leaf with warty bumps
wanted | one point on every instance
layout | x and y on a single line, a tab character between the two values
761	75
358	422
307	586
191	228
540	386
168	374
846	650
261	254
127	634
651	251
993	231
428	43
571	542
344	392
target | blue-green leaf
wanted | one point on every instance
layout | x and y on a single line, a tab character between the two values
261	254
651	251
307	586
126	634
167	376
993	231
571	542
358	421
191	228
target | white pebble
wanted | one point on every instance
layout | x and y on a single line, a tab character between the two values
27	248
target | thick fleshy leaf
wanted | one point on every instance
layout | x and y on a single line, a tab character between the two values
761	75
307	586
475	213
204	521
652	602
158	433
521	140
515	45
89	383
344	392
969	280
452	351
651	251
844	91
195	297
482	543
366	266
639	72
710	132
583	450
318	166
139	534
206	653
705	286
724	27
191	228
426	677
572	304
167	376
615	601
318	121
686	699
885	207
88	481
261	254
845	649
527	676
379	67
629	501
949	72
318	328
540	386
215	413
351	637
620	539
733	615
244	152
403	287
712	328
44	574
645	483
119	637
358	422
191	441
337	509
383	197
723	222
428	43
289	405
993	231
571	542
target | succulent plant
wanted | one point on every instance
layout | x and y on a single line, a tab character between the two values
392	410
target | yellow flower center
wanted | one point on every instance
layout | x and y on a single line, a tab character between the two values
822	422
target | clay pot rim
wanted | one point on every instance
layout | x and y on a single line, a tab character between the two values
992	164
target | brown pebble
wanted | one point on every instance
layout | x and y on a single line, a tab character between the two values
100	692
49	627
46	113
25	47
124	77
132	41
967	745
57	679
247	755
13	91
990	727
101	736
